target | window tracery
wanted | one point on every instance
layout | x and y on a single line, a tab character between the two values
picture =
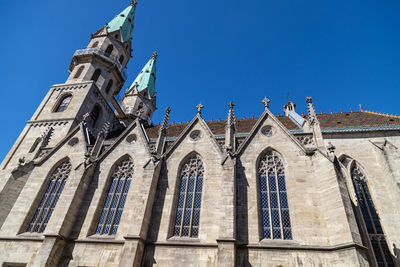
116	198
49	200
187	217
275	218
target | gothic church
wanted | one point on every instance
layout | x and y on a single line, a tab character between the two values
92	181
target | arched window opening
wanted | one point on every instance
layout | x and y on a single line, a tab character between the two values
94	115
187	217
49	200
95	44
79	72
109	86
109	49
371	218
121	59
96	75
116	197
63	104
275	219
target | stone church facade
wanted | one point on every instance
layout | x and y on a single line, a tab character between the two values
91	181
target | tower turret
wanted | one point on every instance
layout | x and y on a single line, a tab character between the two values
107	54
140	99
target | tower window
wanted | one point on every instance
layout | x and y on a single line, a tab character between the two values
275	219
121	59
109	86
95	44
94	115
64	103
109	49
96	75
116	197
79	72
50	198
187	217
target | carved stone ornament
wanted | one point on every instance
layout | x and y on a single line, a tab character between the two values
195	135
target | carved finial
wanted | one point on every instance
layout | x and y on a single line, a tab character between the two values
231	114
361	108
85	117
166	118
199	108
155	55
133	3
140	112
21	161
266	101
105	128
308	99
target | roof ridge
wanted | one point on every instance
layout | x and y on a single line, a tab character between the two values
382	114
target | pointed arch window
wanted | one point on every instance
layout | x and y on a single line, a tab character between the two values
121	59
49	200
187	217
116	198
62	106
96	75
370	217
95	44
275	219
79	72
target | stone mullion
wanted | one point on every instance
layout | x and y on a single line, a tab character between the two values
381	250
193	199
51	204
109	207
367	207
117	205
184	203
279	201
44	205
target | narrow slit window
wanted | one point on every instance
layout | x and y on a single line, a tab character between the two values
96	75
109	86
79	72
116	198
109	49
274	213
187	217
94	115
64	103
49	200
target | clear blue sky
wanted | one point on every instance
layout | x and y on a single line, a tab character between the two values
342	53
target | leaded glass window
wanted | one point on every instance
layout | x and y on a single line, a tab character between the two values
50	198
187	217
371	218
116	198
275	219
64	103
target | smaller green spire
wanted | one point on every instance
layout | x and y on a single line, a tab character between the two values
147	77
123	22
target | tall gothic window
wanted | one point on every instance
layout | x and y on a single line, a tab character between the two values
64	103
109	49
50	198
371	218
275	219
109	86
187	217
94	115
116	197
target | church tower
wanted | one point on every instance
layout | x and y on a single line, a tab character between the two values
140	99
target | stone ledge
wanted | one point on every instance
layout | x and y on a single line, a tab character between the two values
302	247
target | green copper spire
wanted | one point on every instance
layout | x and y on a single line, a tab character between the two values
147	77
123	22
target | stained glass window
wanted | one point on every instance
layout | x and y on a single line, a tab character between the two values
50	198
64	103
187	218
371	218
275	219
116	198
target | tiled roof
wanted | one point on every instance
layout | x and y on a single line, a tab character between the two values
329	121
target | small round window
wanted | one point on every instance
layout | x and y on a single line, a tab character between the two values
267	130
195	135
131	138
